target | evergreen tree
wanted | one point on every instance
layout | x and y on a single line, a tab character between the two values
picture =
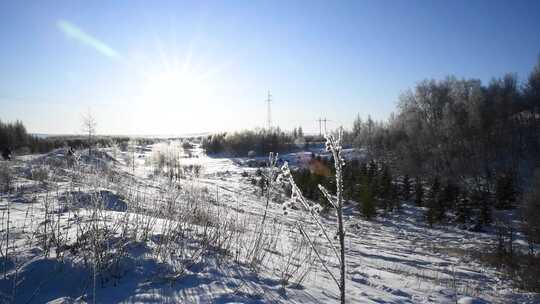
363	169
351	176
300	132
385	188
366	199
481	199
372	170
463	209
447	200
432	202
418	192
505	192
395	199
531	215
406	188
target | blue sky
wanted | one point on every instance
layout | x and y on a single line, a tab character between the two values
169	67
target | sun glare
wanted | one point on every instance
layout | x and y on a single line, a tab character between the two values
174	87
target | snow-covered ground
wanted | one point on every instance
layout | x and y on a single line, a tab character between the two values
217	251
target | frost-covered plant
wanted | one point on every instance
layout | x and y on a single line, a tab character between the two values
6	178
296	259
333	145
39	173
115	149
130	155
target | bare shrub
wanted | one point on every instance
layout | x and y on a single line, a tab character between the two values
39	173
296	258
7	177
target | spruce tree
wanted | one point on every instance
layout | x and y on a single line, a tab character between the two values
418	192
366	199
372	170
505	193
432	202
447	199
395	198
481	199
385	188
463	209
406	188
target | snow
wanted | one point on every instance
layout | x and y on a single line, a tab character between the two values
395	259
469	300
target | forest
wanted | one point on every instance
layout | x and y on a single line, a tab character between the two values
466	152
256	142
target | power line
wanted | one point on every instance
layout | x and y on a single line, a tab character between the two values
321	121
325	120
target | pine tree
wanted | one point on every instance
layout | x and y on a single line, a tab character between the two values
300	132
505	192
395	200
385	188
531	212
363	169
447	199
481	199
406	188
433	202
372	170
418	192
367	201
463	209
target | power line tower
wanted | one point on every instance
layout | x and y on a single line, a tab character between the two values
321	120
325	120
268	111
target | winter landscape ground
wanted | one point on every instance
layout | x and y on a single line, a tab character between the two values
113	226
306	151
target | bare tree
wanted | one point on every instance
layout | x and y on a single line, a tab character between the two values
334	146
132	148
89	128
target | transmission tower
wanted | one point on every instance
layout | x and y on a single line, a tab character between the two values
269	111
322	120
325	120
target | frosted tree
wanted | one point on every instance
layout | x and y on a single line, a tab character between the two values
89	128
333	145
267	183
130	155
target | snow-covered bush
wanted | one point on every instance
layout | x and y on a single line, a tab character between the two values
39	173
6	177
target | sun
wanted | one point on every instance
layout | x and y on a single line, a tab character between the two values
174	87
171	92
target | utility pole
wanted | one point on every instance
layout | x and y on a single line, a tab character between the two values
269	111
325	120
321	120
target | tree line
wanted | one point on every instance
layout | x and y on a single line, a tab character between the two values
14	136
463	151
256	142
482	140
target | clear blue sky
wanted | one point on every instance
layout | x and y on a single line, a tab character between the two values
176	67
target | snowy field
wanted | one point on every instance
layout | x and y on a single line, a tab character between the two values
112	228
